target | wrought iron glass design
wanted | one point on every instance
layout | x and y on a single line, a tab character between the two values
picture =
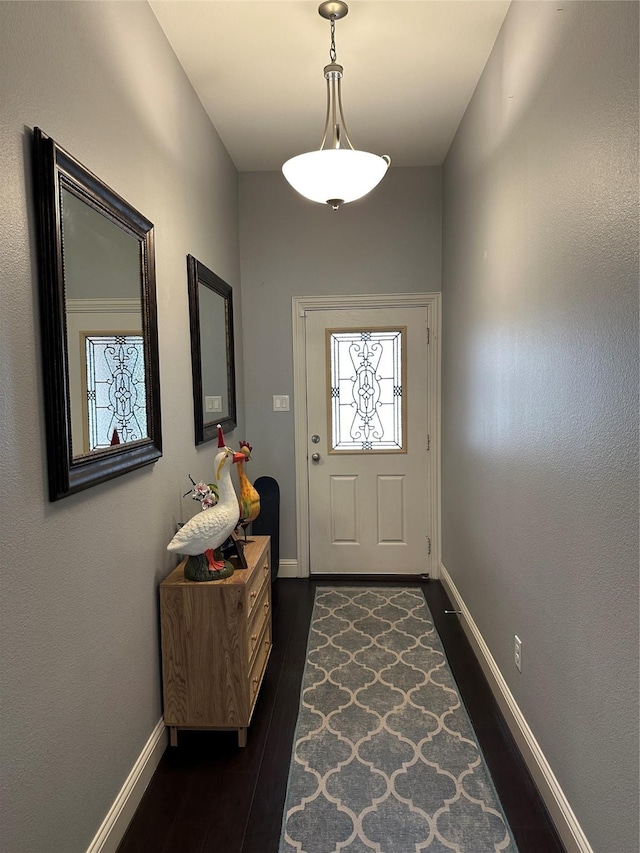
116	392
365	378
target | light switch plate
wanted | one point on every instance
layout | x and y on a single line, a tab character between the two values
213	404
280	402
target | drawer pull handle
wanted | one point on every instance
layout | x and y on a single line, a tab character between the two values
254	682
266	607
254	595
254	638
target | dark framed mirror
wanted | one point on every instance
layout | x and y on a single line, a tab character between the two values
99	325
212	351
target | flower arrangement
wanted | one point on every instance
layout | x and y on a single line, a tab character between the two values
206	493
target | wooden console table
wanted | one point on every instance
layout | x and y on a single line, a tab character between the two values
216	641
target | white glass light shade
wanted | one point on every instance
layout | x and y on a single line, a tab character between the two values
335	174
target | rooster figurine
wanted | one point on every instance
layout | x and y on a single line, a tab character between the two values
211	528
249	501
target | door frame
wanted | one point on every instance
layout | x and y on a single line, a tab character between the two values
301	305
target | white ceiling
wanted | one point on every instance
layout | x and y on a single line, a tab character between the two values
410	68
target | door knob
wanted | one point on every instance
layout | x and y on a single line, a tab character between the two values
315	457
315	439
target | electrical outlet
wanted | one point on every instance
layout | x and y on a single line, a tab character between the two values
517	652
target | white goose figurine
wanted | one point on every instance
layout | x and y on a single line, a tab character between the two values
210	528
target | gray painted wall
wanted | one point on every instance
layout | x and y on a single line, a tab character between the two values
389	242
540	354
79	622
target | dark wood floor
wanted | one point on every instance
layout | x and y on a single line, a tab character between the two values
209	796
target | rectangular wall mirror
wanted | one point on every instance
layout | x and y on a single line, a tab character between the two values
212	351
99	328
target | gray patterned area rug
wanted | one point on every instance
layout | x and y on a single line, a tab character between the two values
384	756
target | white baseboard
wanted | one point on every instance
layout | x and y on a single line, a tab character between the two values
115	824
288	569
556	802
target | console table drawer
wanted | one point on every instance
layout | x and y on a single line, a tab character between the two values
259	617
259	665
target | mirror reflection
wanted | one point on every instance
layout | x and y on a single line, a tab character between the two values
212	351
213	354
104	329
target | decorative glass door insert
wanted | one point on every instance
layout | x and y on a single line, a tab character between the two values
116	401
367	390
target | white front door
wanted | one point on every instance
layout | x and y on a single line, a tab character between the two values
368	445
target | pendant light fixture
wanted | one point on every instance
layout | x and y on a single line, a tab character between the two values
337	173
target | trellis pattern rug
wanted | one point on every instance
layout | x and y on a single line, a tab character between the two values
384	757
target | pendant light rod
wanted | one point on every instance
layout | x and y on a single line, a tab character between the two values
336	134
335	127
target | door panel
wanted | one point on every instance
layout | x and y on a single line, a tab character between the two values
391	509
344	509
368	503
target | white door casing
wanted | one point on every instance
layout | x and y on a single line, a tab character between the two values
371	513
